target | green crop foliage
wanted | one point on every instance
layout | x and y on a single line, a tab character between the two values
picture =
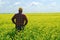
39	27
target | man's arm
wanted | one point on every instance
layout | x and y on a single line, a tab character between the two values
26	20
13	19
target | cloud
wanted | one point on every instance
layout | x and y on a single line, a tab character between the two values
16	3
35	3
51	0
53	4
44	0
1	3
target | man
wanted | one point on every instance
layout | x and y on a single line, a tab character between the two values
20	20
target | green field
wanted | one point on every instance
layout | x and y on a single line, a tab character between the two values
39	27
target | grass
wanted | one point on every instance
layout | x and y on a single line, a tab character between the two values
39	27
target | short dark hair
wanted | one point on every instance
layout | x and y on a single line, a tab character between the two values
20	9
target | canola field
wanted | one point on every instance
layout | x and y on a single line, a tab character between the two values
39	27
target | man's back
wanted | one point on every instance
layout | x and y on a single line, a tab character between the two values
20	18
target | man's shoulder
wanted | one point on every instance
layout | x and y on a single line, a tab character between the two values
23	14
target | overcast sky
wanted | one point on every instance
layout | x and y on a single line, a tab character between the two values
11	6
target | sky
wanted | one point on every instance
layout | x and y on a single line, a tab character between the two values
12	6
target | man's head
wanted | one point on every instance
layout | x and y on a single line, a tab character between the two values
20	10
